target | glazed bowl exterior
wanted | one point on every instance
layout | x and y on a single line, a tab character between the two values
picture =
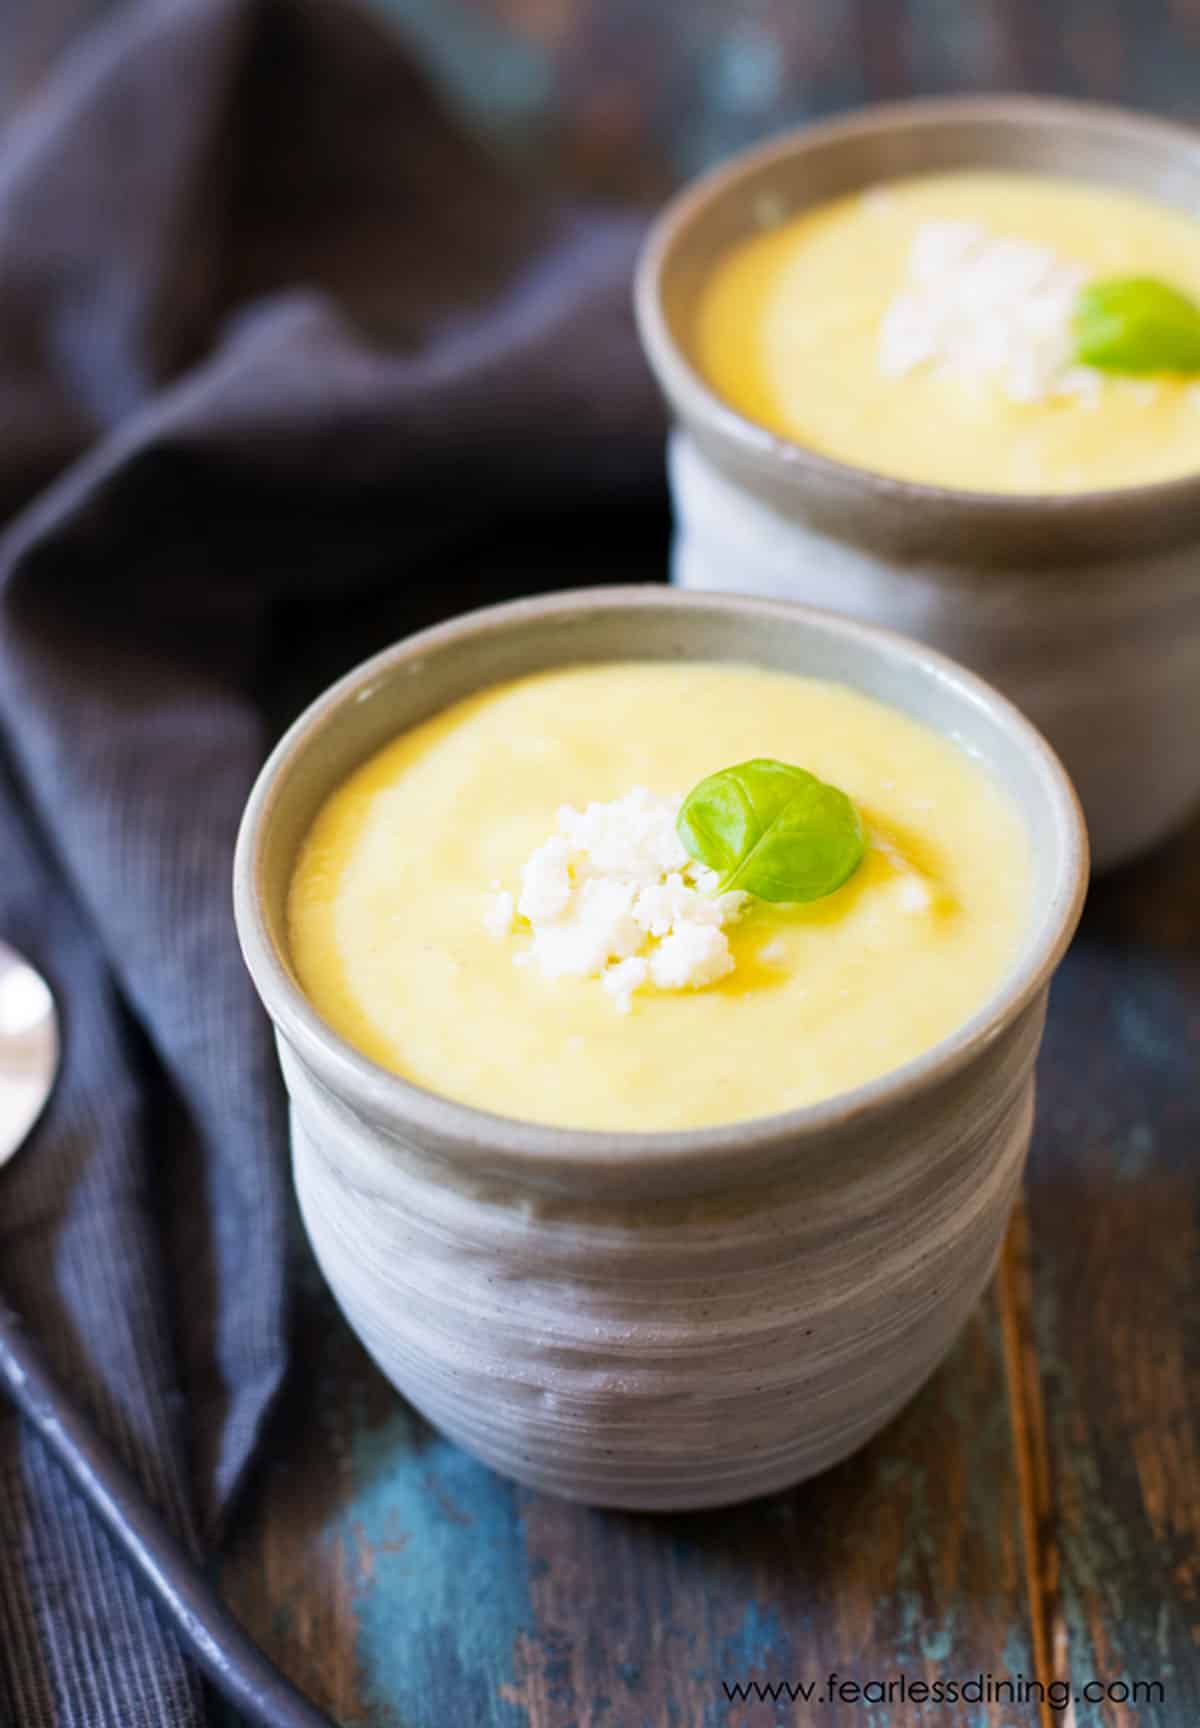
658	1320
1084	608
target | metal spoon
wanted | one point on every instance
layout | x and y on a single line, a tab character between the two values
29	1060
28	1048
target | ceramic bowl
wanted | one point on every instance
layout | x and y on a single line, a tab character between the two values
1084	608
662	1319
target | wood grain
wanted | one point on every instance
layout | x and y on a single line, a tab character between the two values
625	98
1030	1448
403	1584
1113	1188
1034	1512
408	1587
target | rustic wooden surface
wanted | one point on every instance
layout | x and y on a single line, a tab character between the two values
1036	1512
629	96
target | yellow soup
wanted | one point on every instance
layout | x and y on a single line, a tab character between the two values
788	331
389	932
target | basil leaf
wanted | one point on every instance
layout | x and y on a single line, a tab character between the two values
1136	324
772	830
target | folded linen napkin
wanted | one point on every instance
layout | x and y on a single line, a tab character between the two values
286	367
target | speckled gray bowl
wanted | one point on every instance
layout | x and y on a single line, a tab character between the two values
1084	608
658	1319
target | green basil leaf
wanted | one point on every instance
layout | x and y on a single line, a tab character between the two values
1136	324
772	830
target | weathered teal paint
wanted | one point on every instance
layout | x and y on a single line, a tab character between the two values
1136	1154
759	1648
1141	1029
1118	1140
439	1580
499	79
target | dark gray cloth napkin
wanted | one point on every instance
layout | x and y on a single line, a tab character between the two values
287	367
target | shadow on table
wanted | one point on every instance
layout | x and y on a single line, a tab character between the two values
403	1583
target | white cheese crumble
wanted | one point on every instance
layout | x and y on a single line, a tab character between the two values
912	890
498	913
987	307
614	895
915	895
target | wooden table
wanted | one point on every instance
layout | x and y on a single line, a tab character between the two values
1036	1512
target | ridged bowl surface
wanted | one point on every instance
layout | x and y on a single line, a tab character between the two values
659	1320
1084	608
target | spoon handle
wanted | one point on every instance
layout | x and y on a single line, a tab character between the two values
236	1666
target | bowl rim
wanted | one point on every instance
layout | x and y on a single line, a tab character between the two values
462	1131
687	388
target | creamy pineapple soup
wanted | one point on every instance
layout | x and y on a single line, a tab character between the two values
653	896
998	332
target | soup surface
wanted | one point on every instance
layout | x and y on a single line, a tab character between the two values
789	331
389	905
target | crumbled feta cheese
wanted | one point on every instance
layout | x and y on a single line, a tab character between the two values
661	906
658	905
498	915
624	978
546	882
632	837
987	306
597	927
915	895
614	895
913	892
1083	382
692	955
